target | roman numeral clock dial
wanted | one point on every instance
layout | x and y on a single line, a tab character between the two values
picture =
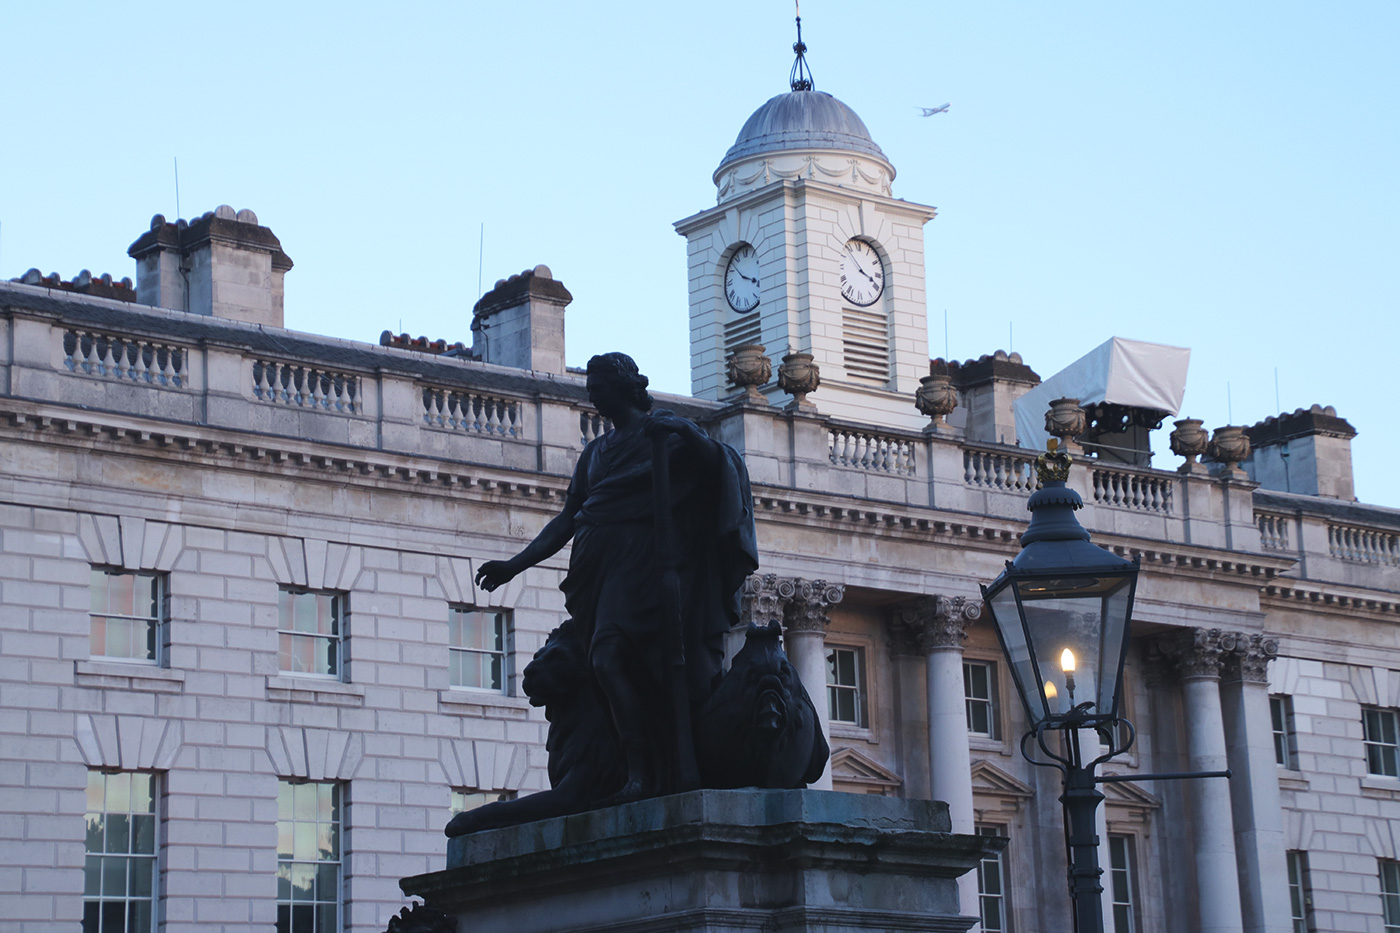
741	279
862	273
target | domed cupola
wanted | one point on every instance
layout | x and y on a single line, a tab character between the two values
804	133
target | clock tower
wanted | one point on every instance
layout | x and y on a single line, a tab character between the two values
807	250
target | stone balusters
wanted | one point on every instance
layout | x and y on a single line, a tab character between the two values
937	626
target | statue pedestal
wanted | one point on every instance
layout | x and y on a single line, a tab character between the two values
712	861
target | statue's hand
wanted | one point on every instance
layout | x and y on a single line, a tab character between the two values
495	573
658	425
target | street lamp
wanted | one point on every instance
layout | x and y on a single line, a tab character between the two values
1061	611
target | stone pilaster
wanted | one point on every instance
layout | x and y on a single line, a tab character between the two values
1199	656
937	625
1254	792
806	604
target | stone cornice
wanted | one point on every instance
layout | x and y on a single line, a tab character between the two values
1282	594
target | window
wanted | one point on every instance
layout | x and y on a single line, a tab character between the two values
311	631
1299	892
845	685
478	648
1285	746
1390	894
467	798
308	858
119	869
1122	861
991	885
1379	734
980	694
128	616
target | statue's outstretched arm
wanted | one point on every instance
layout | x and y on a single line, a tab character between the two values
547	543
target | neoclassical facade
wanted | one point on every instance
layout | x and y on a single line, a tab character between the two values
247	676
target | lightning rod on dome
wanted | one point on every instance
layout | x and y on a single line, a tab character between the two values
801	77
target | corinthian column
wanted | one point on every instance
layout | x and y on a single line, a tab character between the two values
1254	786
1199	655
938	625
805	619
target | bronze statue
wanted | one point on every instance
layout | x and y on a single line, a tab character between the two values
661	521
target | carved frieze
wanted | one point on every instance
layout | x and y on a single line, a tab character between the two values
933	622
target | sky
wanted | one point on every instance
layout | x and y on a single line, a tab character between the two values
1220	176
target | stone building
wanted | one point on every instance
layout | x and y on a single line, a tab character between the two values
247	676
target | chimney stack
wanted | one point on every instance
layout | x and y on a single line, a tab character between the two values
221	264
1307	452
520	322
987	387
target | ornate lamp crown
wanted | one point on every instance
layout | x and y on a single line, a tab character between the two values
1054	464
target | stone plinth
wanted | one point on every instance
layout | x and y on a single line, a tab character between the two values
713	862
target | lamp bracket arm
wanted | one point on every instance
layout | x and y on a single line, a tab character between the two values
1166	776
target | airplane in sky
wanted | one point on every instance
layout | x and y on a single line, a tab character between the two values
930	111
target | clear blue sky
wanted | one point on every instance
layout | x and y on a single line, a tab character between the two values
1221	176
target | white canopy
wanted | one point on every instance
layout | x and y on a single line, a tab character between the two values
1120	372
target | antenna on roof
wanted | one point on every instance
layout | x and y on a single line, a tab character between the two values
801	76
177	187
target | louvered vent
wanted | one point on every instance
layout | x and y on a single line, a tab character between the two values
866	343
741	329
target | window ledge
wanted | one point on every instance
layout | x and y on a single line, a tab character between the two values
1374	785
985	743
846	730
314	690
1290	779
479	702
128	675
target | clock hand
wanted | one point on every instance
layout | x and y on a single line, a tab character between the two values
747	278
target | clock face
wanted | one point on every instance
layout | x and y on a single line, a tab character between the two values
741	279
862	274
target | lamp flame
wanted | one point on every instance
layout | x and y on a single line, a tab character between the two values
1067	661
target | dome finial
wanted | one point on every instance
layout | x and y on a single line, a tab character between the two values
801	76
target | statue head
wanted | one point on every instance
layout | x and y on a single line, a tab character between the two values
618	373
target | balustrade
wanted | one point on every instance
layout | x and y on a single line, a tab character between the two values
861	450
1273	530
136	359
307	387
1142	492
592	426
472	412
999	470
1363	545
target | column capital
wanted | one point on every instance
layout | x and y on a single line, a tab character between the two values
760	603
1197	652
1249	662
935	622
806	602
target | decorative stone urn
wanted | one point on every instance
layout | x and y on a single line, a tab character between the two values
1189	440
798	376
1229	445
748	369
1067	421
936	398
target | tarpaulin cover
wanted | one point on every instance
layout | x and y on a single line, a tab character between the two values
1120	372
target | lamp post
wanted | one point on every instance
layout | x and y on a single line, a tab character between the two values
1061	611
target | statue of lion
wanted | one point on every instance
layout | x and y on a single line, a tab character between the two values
759	728
585	765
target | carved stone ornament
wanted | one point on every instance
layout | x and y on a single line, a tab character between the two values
1250	660
1065	419
761	603
1189	440
748	369
936	398
798	376
937	622
806	602
1229	446
1199	652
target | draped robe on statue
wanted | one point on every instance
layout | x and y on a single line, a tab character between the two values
612	589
